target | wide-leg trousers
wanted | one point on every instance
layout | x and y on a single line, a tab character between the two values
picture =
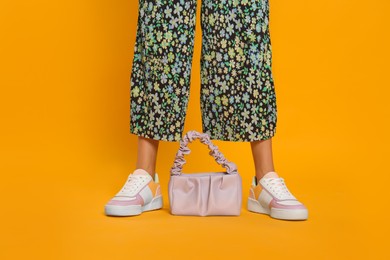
238	101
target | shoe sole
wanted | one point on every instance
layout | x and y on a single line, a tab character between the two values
285	214
133	210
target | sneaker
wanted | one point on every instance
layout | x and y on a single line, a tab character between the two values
140	193
271	196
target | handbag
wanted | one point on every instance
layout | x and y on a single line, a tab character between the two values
204	193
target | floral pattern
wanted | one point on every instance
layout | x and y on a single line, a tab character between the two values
238	101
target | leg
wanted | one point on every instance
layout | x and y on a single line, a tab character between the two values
160	78
147	154
238	99
262	157
160	81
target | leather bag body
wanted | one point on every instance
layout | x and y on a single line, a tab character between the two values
204	193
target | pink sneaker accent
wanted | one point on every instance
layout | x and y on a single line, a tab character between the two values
271	196
129	201
140	193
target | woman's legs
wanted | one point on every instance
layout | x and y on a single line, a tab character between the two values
147	154
262	157
261	151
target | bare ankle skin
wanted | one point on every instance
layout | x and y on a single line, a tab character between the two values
262	157
147	154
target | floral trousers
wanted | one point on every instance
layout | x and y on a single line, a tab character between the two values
238	101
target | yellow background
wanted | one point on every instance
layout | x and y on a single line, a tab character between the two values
66	149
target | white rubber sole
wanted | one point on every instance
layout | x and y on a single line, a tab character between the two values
133	210
285	214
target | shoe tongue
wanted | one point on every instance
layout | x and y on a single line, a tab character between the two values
271	175
140	172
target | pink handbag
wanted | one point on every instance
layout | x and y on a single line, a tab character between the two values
204	193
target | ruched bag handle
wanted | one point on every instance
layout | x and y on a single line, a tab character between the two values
179	161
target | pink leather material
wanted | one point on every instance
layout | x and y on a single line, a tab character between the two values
274	204
137	201
205	193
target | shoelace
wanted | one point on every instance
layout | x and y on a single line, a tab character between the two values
279	188
133	183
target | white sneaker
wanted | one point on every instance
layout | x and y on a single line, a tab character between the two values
140	193
271	196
